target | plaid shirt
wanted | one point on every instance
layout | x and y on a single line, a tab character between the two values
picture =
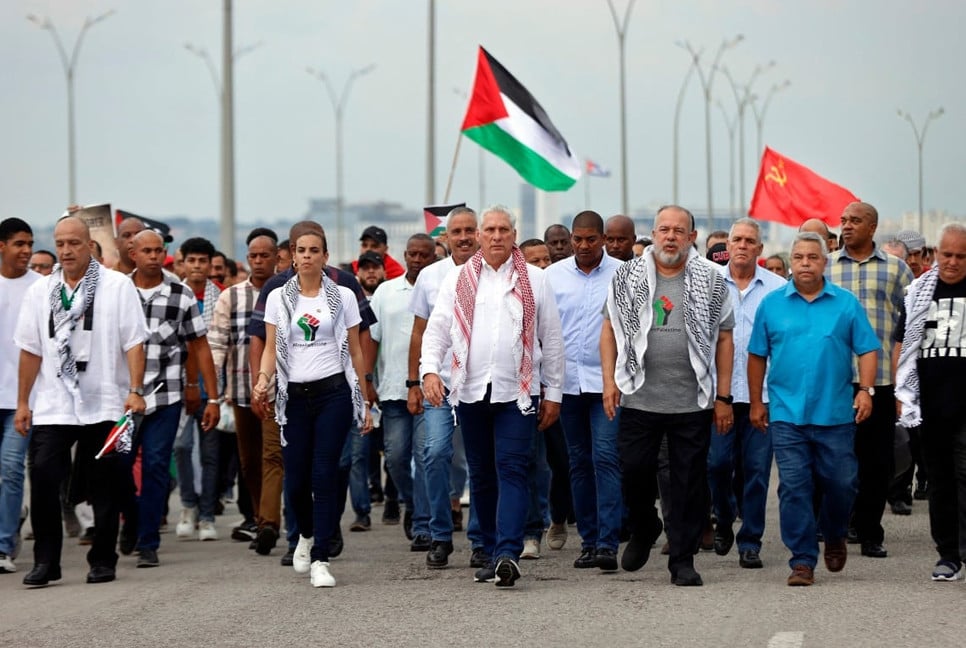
879	283
173	320
229	341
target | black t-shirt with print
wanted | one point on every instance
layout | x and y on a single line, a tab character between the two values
942	353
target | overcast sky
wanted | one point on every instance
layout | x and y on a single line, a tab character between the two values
147	113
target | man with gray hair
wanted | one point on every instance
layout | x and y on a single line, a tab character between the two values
748	284
930	344
666	352
809	330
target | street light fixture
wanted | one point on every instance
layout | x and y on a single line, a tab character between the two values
743	98
707	83
69	64
621	28
338	107
760	115
481	161
677	122
920	138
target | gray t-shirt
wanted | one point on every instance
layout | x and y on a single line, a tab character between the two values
670	386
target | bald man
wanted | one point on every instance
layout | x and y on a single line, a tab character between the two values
126	231
619	237
81	337
819	227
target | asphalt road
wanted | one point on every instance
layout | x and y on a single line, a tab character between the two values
221	594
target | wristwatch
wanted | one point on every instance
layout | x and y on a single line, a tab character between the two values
369	377
412	383
871	390
137	390
727	400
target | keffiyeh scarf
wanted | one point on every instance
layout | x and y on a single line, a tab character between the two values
918	299
290	297
65	315
631	316
520	304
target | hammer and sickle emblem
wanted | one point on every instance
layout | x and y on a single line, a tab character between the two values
777	173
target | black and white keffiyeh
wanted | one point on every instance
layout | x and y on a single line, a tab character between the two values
290	297
917	301
631	316
65	318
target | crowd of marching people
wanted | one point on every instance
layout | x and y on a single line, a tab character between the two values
635	387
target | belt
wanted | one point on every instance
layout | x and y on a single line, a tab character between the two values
315	387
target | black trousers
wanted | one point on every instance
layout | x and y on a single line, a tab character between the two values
874	448
686	500
901	488
48	457
944	449
561	504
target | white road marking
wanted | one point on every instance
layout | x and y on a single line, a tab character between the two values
787	640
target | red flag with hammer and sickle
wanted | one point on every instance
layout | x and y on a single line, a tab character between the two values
790	193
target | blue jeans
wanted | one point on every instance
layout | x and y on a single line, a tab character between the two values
355	460
438	459
404	437
754	448
498	439
208	446
155	436
827	452
13	454
538	483
595	474
315	435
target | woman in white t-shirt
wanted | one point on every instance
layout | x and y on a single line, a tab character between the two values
312	348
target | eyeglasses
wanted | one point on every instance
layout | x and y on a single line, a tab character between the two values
40	266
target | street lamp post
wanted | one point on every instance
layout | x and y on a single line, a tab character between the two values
920	139
742	100
707	82
70	65
760	115
223	90
480	161
677	121
621	28
730	124
338	107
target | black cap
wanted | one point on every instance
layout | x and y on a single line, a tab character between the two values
377	234
719	254
371	257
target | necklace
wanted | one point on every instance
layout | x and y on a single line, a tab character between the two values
64	301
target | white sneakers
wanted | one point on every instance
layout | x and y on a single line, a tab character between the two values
8	567
557	536
320	575
531	549
207	530
302	559
186	525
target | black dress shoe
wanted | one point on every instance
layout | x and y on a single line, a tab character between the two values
100	574
921	493
606	560
638	548
852	536
479	559
336	543
147	559
749	559
286	560
438	555
127	539
421	543
873	550
408	524
724	539
687	577
900	508
265	540
586	559
41	574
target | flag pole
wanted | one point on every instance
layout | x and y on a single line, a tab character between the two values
452	169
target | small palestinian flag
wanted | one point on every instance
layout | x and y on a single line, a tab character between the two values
121	436
435	216
505	119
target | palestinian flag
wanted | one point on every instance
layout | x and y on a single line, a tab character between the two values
435	216
120	437
505	119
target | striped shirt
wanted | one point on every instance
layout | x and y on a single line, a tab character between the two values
229	342
173	320
879	283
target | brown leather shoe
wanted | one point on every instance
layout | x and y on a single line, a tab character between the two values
801	576
836	554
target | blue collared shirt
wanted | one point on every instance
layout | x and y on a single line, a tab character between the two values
580	302
746	305
810	346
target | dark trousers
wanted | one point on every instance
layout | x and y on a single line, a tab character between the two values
248	430
318	425
106	487
901	488
944	449
561	504
688	438
874	448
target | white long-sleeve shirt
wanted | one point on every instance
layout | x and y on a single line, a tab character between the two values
490	360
